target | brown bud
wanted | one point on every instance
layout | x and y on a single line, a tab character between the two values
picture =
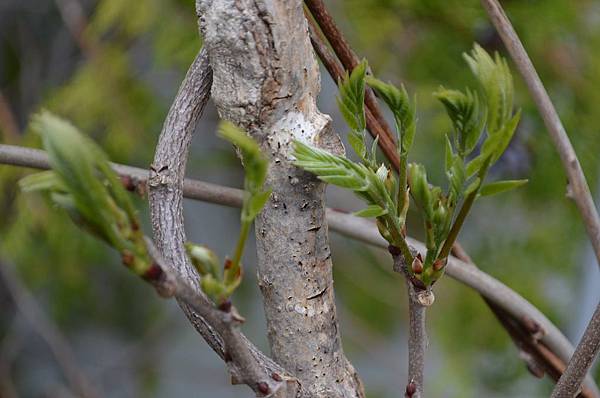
417	265
228	264
276	376
154	273
439	264
411	389
263	387
225	306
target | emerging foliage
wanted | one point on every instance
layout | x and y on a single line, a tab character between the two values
387	194
220	286
83	184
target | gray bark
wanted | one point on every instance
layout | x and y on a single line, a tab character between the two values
221	330
266	80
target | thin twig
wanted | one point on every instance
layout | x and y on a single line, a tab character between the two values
587	349
578	187
355	228
417	344
49	332
336	71
349	60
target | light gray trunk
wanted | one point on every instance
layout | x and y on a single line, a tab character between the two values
266	80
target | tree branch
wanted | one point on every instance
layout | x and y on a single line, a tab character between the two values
362	230
587	350
417	344
267	84
336	71
219	328
577	188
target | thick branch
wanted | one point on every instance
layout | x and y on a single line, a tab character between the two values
417	344
362	230
587	349
266	80
246	364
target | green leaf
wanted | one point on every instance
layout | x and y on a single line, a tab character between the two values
331	168
357	142
255	205
496	80
255	163
449	154
84	171
43	181
404	112
473	186
351	100
464	109
420	188
371	211
500	186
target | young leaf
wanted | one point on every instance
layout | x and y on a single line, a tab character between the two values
404	113
203	259
255	163
467	118
371	211
255	204
331	168
351	100
496	81
500	186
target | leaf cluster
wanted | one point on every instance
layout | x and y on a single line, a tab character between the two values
82	182
487	113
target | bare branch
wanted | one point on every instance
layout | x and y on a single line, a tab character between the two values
219	328
49	332
587	349
336	71
578	186
417	344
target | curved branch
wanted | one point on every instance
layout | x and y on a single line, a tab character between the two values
246	364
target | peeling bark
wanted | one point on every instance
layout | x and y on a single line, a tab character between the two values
266	80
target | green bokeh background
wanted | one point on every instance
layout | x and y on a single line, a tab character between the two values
117	88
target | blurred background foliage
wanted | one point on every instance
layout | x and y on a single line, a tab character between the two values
112	67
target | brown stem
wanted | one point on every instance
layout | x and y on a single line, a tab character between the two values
386	142
348	58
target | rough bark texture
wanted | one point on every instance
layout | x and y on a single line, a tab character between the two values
265	80
246	364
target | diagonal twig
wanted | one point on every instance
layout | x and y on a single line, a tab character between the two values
577	188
